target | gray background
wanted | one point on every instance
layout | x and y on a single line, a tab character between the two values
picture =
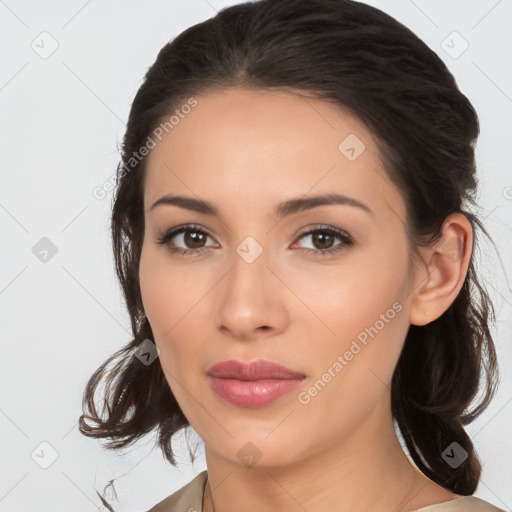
63	117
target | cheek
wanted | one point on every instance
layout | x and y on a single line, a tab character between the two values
157	290
172	297
355	327
166	291
163	302
340	302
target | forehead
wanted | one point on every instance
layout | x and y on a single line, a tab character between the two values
241	144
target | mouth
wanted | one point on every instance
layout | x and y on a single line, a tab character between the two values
252	385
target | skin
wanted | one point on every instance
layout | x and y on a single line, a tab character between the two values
245	151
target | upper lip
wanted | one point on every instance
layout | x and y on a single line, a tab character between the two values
253	370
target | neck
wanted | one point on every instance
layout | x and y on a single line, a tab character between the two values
367	470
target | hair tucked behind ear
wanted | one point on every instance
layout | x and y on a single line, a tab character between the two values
437	377
357	57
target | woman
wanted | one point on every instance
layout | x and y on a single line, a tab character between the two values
292	233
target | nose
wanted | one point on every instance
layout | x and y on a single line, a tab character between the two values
250	300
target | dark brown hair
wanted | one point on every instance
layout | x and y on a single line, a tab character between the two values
357	57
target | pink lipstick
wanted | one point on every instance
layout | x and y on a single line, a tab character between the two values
254	384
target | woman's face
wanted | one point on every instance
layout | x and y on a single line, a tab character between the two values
256	282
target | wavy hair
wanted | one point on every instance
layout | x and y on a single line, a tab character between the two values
355	56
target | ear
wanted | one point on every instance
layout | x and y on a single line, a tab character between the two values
446	263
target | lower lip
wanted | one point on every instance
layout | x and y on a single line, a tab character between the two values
252	393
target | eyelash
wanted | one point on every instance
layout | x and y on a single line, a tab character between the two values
340	235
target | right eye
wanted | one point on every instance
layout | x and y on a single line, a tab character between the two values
191	238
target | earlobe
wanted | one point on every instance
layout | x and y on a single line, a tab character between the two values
441	279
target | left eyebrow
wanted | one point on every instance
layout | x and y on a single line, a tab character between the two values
288	207
300	204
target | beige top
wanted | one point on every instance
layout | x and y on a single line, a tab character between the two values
190	499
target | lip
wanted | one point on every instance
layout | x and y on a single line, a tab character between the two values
253	370
253	384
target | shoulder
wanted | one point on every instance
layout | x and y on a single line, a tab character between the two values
187	499
462	504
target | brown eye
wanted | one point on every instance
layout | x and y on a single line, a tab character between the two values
194	239
185	239
323	240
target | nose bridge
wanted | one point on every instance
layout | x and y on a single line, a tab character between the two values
248	270
250	250
248	300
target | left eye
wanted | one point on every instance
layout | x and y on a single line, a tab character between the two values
323	238
193	238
